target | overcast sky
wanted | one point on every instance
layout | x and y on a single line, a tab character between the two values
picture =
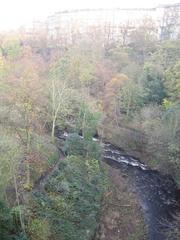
14	13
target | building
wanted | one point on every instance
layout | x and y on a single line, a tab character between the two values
115	24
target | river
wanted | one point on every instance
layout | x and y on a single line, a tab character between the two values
157	194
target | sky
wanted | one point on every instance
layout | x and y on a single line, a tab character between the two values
16	13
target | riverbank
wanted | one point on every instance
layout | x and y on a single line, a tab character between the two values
157	194
121	217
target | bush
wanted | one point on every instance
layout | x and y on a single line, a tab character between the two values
6	223
39	229
72	199
74	145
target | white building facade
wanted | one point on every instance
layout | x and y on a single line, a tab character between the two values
66	25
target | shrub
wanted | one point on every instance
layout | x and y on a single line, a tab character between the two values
6	223
74	145
39	229
72	199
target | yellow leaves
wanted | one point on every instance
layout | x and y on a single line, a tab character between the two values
172	81
116	82
27	186
24	89
39	229
4	66
112	87
75	65
1	62
28	106
13	48
166	103
111	92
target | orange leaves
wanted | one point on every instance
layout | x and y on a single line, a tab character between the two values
111	94
116	82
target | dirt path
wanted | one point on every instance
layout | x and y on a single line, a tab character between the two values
39	184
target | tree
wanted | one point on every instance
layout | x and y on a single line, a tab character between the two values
119	56
142	41
11	156
169	23
111	103
59	95
172	120
87	121
152	82
22	102
6	222
166	55
172	81
12	48
131	97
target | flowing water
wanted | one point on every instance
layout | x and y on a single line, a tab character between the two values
157	194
